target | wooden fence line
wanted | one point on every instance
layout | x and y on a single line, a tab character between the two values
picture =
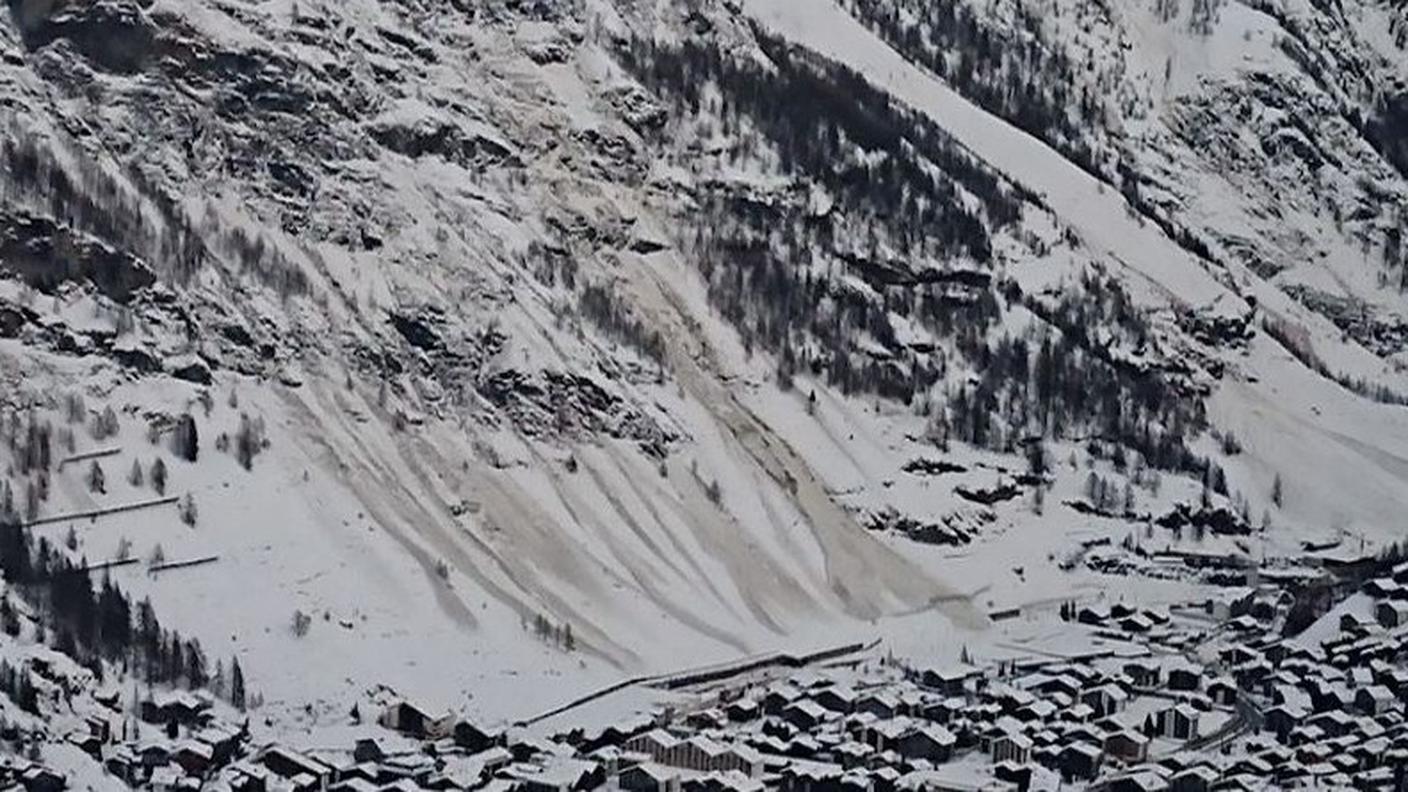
101	565
98	454
94	513
190	562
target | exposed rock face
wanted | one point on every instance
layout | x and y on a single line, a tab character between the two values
115	35
46	254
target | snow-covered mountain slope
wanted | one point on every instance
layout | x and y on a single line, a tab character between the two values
696	329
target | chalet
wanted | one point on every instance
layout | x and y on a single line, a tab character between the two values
125	765
1130	746
837	698
1245	624
87	742
164	778
660	745
1391	614
367	749
1332	697
742	710
780	697
1083	672
880	704
950	681
1230	603
884	779
153	754
243	776
649	777
1012	748
932	742
913	701
224	742
1334	723
705	719
885	735
367	771
1199	778
1183	723
289	764
1106	699
944	710
1094	615
1080	761
1138	781
808	679
401	785
1306	735
407	718
495	759
1041	711
1361	677
805	714
355	784
1019	775
109	696
1010	698
1184	676
721	758
99	727
1374	700
1236	654
194	757
1136	623
1078	713
1064	684
557	774
1119	610
1222	691
1143	673
998	728
186	709
1251	673
1382	588
777	730
474	739
803	746
813	776
852	754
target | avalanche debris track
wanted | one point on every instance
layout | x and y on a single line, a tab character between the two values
869	578
451	255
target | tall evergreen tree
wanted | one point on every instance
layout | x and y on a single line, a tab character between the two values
237	694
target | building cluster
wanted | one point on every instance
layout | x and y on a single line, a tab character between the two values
17	773
1205	697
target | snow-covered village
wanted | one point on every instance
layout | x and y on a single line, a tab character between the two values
703	395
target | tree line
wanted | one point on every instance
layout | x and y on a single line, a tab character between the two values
823	291
97	625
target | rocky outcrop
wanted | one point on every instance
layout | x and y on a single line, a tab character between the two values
550	403
114	35
46	255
